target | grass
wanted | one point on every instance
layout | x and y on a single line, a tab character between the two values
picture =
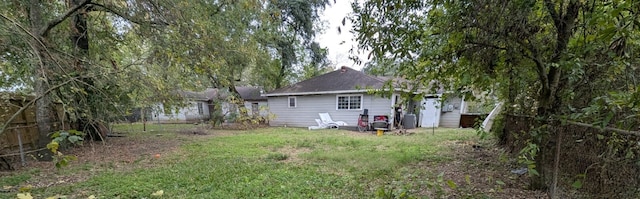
275	163
151	128
17	179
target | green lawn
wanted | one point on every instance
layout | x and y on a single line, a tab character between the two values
273	163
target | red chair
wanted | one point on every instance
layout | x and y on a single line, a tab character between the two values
363	123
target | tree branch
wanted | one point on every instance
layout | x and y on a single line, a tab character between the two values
45	30
553	12
525	46
6	123
621	131
35	38
124	16
488	45
541	72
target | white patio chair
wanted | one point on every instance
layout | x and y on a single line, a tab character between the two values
326	119
322	125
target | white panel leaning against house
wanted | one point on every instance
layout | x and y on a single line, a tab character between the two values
488	122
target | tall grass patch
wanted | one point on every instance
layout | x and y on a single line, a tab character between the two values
274	163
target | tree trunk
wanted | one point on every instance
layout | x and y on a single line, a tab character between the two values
549	101
43	113
239	102
281	74
41	69
80	40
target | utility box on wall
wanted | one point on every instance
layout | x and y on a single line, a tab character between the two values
447	108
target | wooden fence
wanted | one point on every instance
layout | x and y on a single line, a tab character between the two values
23	130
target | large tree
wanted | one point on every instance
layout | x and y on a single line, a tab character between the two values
100	58
293	25
548	58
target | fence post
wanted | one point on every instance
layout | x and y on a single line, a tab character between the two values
556	165
21	149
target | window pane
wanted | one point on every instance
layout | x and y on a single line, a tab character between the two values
355	102
255	108
343	102
292	102
200	108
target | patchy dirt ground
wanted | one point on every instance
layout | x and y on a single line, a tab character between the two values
480	170
476	169
117	153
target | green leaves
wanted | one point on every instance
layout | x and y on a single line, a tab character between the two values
479	44
451	184
63	139
53	146
577	184
70	136
63	160
74	139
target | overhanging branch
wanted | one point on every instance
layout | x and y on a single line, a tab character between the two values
104	8
45	30
532	53
488	45
621	131
552	11
33	101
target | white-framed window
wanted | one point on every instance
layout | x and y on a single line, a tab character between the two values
349	102
200	108
293	102
255	109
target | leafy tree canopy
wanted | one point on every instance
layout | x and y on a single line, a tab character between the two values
102	58
543	57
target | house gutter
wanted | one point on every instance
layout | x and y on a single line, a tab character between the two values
328	92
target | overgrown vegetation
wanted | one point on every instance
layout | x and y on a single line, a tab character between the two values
62	140
102	59
276	162
557	61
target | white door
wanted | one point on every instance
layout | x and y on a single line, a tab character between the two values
430	113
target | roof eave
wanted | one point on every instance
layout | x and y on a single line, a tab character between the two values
313	93
331	92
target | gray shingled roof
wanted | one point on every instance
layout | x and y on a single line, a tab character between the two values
208	94
249	93
344	79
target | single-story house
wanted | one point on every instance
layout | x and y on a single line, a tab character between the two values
343	94
254	102
438	112
197	106
201	106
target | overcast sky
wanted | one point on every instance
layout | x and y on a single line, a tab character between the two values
338	53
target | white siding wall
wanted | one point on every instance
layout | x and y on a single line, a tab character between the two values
228	108
451	119
188	113
263	106
309	106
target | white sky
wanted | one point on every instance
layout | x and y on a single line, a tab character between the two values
331	39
